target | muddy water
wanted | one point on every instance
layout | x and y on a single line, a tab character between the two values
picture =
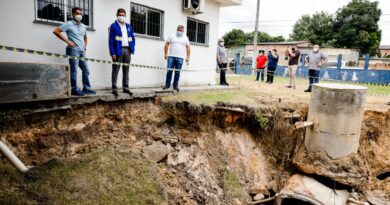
215	156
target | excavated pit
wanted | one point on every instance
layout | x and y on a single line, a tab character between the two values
179	153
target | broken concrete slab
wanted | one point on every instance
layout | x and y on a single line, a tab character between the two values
156	151
307	189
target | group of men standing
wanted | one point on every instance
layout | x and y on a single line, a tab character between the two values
121	46
314	61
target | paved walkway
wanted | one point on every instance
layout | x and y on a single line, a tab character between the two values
101	96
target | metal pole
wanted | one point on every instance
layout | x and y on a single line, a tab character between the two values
13	158
255	37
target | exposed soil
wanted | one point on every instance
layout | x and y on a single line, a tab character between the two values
95	154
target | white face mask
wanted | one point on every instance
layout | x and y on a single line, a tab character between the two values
316	49
221	43
78	18
122	19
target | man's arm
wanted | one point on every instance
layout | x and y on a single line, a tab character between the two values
188	53
166	50
58	32
85	41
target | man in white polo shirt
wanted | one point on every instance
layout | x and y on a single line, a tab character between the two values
179	49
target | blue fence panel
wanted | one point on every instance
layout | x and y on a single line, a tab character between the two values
348	75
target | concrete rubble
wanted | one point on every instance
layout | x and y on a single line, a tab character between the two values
307	189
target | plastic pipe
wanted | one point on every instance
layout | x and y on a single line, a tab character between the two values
13	158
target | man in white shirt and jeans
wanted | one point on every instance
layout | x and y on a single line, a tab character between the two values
179	49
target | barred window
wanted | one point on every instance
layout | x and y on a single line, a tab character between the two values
60	11
197	31
146	21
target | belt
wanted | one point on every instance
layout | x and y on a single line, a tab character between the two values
125	47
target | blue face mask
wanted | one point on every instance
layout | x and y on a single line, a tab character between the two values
179	34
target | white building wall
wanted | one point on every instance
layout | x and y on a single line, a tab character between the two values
19	30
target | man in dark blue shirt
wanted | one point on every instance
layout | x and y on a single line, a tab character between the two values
273	59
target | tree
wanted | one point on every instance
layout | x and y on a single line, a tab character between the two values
356	26
234	38
238	37
317	29
264	37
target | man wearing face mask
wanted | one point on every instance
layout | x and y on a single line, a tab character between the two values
293	61
179	49
122	45
222	60
314	62
77	44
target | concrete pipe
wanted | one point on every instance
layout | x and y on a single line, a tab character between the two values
337	112
12	158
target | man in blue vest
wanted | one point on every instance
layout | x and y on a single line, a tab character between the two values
122	44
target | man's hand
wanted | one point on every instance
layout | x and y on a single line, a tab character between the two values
187	60
71	44
166	57
113	58
319	64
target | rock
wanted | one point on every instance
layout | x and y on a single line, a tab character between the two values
236	201
377	198
183	157
258	197
156	151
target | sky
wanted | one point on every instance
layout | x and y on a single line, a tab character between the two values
277	17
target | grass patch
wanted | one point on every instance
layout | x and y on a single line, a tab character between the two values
232	187
242	96
101	177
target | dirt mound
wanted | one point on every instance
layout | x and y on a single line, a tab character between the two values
106	176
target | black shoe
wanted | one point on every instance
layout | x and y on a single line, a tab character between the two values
307	91
177	89
115	93
165	88
288	86
128	92
77	93
227	84
89	92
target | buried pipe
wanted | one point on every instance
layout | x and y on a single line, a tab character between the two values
13	158
300	125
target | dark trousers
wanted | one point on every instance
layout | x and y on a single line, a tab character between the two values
124	58
314	77
270	74
260	72
223	67
173	63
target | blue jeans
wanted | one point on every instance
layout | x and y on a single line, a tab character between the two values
314	77
177	63
78	52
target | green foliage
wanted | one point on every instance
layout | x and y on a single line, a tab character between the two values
235	37
356	26
261	119
353	26
317	29
238	37
232	187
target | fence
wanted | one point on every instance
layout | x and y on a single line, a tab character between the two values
330	72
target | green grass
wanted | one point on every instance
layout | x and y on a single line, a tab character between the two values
372	89
243	96
102	177
232	187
